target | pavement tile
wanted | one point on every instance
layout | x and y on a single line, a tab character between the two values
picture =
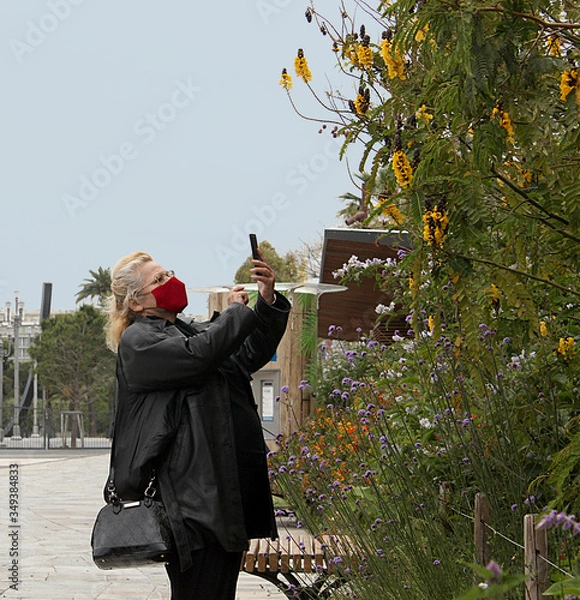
59	495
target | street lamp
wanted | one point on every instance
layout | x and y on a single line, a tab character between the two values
3	353
16	322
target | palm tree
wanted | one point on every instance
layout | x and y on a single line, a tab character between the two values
97	286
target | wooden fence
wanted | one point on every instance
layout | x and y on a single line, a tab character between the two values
535	548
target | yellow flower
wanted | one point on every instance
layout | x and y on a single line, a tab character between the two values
569	82
421	34
423	114
431	322
565	348
351	53
391	211
494	292
504	122
543	329
554	46
301	67
365	56
395	65
435	228
286	80
362	102
402	169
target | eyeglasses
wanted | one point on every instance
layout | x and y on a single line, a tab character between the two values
159	279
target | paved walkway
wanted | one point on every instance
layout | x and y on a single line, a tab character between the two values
59	494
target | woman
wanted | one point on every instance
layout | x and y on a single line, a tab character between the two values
185	410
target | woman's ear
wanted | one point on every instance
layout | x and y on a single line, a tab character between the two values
136	306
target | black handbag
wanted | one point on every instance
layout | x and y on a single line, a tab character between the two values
131	534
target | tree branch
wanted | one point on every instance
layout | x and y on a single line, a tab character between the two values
546	24
518	272
528	198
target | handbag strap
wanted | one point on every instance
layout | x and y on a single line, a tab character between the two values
150	490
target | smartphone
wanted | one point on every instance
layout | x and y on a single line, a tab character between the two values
254	245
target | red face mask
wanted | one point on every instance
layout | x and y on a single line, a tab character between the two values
171	295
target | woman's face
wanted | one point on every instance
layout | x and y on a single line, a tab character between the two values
153	275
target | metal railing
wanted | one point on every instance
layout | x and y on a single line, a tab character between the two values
55	428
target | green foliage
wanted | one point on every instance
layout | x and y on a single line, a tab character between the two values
565	473
290	267
72	358
569	586
490	289
97	286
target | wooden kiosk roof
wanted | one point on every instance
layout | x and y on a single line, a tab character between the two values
355	307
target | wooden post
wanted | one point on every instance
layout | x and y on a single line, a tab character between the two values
535	549
480	530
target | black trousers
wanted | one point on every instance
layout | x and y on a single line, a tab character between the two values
213	576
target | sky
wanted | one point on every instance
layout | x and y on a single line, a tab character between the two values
141	125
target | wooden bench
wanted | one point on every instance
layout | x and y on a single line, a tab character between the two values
302	566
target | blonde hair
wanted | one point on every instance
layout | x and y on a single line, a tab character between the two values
126	281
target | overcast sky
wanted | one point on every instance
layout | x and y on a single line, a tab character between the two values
161	127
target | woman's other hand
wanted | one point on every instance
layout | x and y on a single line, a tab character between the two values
238	295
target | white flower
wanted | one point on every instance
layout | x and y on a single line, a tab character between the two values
381	309
425	423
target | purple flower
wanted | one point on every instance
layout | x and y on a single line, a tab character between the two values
284	389
569	522
495	570
436	562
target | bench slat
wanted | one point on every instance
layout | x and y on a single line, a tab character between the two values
273	554
285	556
296	554
250	558
307	545
262	555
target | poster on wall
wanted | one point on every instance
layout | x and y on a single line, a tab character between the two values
267	401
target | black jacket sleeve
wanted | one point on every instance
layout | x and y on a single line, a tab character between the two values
261	344
154	355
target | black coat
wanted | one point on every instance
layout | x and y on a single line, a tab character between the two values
185	408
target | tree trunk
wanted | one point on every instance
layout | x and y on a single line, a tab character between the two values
74	422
